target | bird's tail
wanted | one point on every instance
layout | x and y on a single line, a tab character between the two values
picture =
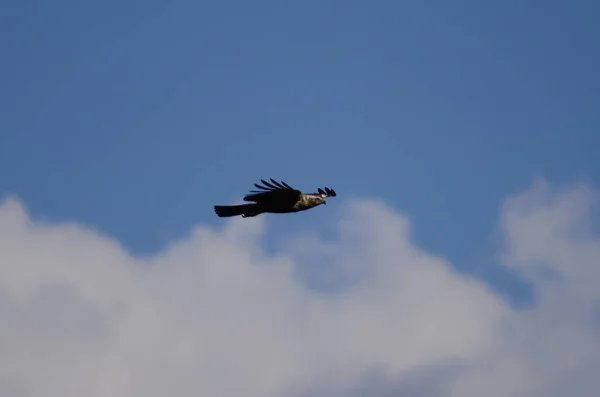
245	210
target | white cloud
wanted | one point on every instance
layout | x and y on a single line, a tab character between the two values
214	315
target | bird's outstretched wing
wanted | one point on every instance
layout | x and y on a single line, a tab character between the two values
274	191
327	192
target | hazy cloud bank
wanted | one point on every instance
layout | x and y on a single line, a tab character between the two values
213	315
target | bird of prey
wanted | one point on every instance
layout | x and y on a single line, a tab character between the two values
275	197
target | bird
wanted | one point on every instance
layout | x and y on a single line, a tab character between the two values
275	197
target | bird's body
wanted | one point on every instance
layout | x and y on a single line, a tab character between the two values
277	198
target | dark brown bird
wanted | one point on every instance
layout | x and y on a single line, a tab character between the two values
275	197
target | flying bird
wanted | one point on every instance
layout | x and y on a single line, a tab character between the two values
275	197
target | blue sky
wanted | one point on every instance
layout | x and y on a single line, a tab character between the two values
136	117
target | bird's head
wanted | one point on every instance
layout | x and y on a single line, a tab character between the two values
314	199
318	198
